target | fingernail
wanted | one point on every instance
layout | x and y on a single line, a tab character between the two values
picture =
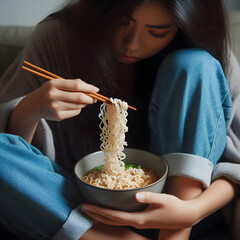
96	89
140	196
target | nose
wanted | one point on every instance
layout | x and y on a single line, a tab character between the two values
131	40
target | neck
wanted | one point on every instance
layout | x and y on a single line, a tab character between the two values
127	77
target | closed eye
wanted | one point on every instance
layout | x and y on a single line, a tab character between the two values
160	35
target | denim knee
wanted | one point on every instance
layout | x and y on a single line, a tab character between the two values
189	71
190	105
15	152
32	185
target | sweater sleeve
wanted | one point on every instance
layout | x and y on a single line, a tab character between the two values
43	135
229	166
47	49
42	49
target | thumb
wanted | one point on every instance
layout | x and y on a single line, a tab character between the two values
151	198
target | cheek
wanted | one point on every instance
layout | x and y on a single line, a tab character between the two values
154	48
117	42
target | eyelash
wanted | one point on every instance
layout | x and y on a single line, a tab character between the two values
127	23
158	35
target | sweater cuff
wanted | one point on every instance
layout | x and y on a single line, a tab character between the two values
228	170
6	111
75	226
43	138
190	166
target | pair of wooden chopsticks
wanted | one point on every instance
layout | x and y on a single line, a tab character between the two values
50	76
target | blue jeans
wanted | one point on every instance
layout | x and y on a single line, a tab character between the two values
37	196
188	115
189	111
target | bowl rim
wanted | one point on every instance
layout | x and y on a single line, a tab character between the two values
123	190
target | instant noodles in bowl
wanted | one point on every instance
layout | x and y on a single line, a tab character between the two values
113	185
116	198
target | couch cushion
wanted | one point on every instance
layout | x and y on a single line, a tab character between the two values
12	40
14	36
235	32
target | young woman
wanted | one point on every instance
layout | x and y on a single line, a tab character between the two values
168	59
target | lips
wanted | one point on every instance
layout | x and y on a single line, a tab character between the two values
127	58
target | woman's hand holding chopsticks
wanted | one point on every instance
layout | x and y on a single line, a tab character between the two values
59	99
55	100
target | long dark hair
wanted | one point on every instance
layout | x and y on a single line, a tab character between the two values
205	24
202	24
92	25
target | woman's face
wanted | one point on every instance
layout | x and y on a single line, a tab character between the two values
149	30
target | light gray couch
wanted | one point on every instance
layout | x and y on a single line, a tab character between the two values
12	40
235	32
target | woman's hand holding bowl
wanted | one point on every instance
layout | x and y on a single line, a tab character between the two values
165	211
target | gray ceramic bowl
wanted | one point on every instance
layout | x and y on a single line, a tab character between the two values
120	199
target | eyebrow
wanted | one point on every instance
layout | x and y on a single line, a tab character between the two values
162	26
165	26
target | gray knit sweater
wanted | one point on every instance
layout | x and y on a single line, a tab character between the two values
55	140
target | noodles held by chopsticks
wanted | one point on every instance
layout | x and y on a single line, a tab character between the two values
113	174
114	126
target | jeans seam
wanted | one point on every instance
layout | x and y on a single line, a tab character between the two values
228	92
217	127
214	137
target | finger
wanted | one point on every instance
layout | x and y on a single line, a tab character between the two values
102	219
67	106
71	97
73	85
151	198
66	114
121	217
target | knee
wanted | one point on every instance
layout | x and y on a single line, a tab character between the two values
193	67
195	60
7	143
192	73
15	144
13	154
191	80
17	157
10	143
7	140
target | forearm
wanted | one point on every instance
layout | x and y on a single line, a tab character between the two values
206	203
21	123
220	193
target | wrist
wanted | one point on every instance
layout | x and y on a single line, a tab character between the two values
196	211
22	122
190	213
28	111
212	199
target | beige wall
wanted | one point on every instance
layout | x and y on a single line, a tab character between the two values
27	12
